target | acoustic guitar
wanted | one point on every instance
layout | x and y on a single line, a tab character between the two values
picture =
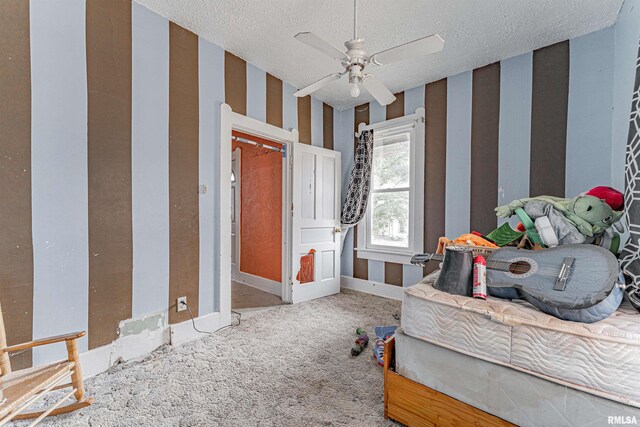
572	282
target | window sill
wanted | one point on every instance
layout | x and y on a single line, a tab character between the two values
385	256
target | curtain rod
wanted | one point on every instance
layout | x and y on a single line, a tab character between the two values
408	120
257	144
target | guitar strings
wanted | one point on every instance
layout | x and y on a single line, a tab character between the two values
517	269
508	266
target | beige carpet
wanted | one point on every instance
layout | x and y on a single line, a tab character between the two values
287	366
245	296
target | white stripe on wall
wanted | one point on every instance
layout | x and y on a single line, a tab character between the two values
256	93
289	107
59	173
514	147
377	113
150	161
211	96
343	142
589	119
411	275
316	123
458	178
627	34
375	271
413	99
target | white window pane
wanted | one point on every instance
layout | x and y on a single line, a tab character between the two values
390	219
391	164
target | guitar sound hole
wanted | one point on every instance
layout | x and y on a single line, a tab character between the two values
519	267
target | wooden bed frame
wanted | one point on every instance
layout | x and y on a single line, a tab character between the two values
414	404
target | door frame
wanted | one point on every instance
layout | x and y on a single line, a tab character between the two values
237	209
230	121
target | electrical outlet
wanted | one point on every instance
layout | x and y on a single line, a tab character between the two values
181	304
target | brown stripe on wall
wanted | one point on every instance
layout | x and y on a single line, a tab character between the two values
327	126
360	265
393	271
274	101
184	231
109	162
485	119
550	98
304	119
235	83
396	108
435	165
16	251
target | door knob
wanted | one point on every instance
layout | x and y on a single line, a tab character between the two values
338	230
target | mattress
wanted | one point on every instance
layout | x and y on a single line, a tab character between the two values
601	358
520	398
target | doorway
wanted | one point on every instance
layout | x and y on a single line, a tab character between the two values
311	182
257	211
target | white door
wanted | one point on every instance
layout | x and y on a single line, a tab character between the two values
315	223
235	213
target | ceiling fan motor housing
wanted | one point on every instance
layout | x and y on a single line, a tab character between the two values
358	58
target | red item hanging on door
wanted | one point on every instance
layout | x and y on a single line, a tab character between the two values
306	273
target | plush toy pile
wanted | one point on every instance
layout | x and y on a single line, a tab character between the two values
546	221
588	218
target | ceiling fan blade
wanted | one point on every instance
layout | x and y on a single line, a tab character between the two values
319	84
419	47
378	90
316	42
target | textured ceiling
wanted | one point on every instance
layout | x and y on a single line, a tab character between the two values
476	33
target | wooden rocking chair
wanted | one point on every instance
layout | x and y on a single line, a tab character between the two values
21	389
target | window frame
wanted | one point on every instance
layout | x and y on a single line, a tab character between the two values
415	123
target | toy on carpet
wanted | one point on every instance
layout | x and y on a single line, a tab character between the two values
383	333
361	342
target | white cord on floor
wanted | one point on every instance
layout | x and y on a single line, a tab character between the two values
193	322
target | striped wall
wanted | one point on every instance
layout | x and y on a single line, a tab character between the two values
109	141
110	197
259	95
538	123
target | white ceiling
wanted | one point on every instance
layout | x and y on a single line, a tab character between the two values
476	33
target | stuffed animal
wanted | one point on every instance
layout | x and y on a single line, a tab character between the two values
611	196
588	214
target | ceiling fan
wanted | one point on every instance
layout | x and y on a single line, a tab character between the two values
356	58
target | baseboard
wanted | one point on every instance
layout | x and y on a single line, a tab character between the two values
260	283
96	361
184	332
373	288
141	336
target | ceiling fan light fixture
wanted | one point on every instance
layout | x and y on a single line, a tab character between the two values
354	89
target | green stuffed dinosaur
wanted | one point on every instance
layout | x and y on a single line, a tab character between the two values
590	215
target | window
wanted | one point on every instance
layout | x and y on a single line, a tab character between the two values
392	227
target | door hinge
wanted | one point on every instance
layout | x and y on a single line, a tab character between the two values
291	209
